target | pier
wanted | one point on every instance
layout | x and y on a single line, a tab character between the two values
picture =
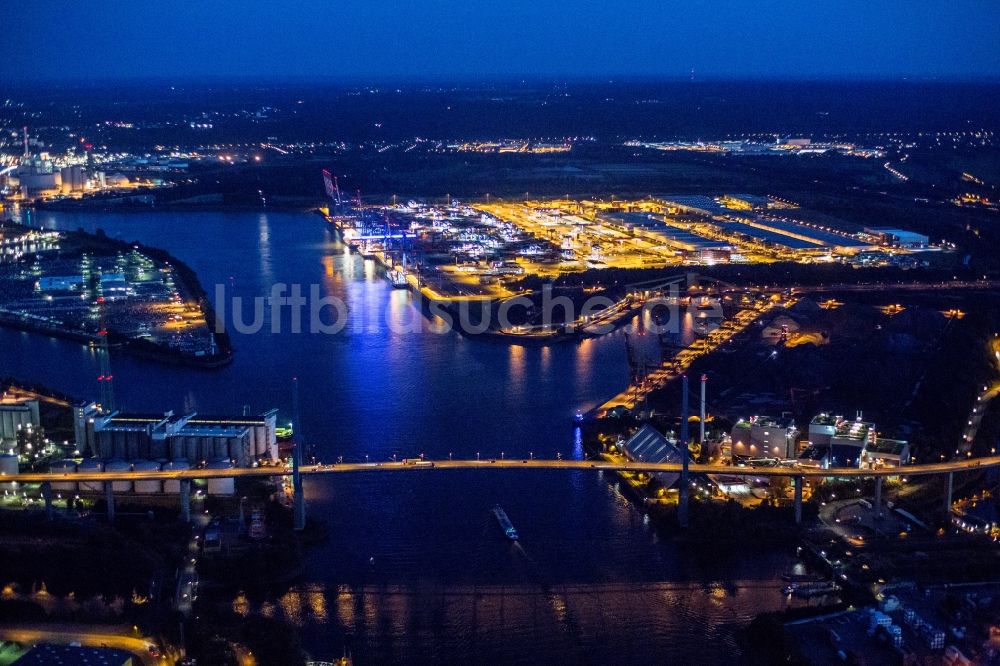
676	366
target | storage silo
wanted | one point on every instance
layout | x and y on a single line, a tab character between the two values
147	486
119	448
119	466
241	449
222	446
90	466
175	447
134	445
61	467
221	485
158	448
105	444
192	449
268	433
254	440
174	485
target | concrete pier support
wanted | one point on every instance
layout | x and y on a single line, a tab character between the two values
682	506
299	507
797	481
701	413
298	496
878	498
109	496
949	486
186	500
47	496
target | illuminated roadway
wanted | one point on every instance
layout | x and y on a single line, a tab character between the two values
969	464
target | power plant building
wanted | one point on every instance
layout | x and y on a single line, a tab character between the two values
764	437
838	442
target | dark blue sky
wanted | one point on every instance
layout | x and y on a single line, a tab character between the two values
376	39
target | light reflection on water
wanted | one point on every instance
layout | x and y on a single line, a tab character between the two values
609	622
593	580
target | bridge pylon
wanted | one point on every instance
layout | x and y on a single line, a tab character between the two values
298	496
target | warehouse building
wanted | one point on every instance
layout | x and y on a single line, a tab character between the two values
909	240
650	445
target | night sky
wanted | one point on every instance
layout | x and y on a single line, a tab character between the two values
470	39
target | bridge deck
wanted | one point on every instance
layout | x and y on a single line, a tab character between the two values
508	465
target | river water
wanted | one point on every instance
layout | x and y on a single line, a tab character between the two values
590	580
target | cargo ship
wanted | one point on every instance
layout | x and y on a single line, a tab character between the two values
809	590
505	524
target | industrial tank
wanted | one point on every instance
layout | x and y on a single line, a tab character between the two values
221	486
119	466
175	448
157	448
147	486
63	467
192	449
90	466
174	485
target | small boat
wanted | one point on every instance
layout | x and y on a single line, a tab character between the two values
505	524
397	278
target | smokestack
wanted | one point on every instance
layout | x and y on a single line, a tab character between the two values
26	151
701	422
682	506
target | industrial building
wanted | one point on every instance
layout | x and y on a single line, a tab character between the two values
650	445
901	238
746	201
885	453
697	204
16	415
745	217
838	442
764	437
192	438
822	428
825	457
653	228
828	430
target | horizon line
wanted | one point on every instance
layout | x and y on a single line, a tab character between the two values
493	79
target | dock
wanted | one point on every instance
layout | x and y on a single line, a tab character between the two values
678	364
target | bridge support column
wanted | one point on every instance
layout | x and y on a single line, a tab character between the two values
299	507
109	497
878	498
797	481
47	496
186	500
685	489
949	486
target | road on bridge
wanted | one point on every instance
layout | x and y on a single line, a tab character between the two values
499	464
